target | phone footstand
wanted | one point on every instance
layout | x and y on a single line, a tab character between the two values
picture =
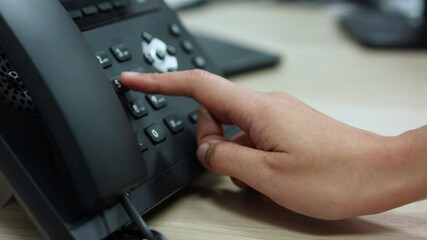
6	191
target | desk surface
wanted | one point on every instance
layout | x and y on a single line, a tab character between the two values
380	91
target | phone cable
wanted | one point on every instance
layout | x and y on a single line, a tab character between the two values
139	222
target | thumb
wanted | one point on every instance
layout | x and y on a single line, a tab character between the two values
252	166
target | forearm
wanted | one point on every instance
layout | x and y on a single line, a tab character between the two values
403	165
414	154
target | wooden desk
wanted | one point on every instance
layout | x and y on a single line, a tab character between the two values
381	91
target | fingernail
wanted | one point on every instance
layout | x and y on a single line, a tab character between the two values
130	74
201	152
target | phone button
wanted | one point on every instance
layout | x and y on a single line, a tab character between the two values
138	108
199	62
147	37
105	7
89	11
194	116
161	55
103	59
119	3
171	50
157	101
156	133
121	52
174	123
187	46
76	14
118	86
175	30
150	60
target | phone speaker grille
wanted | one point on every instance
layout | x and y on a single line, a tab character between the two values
12	89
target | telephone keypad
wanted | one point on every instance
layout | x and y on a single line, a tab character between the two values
156	133
121	52
138	108
164	127
157	101
174	123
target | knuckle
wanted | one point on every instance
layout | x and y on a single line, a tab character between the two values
279	163
270	104
259	109
198	78
157	77
248	111
199	74
268	162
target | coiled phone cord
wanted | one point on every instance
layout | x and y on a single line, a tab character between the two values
137	219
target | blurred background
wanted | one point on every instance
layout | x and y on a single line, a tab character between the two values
375	23
361	62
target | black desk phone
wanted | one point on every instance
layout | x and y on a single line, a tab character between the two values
73	140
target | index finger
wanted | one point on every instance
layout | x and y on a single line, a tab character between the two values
219	95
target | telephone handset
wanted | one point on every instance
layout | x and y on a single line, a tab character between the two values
73	140
76	102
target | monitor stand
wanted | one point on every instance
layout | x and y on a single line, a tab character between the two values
376	29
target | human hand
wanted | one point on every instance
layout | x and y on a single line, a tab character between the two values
293	154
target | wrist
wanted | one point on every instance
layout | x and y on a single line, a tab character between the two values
391	175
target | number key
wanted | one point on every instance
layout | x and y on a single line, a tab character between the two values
138	109
156	133
121	52
103	59
157	101
174	123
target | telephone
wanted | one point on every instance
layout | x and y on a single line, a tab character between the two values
73	140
